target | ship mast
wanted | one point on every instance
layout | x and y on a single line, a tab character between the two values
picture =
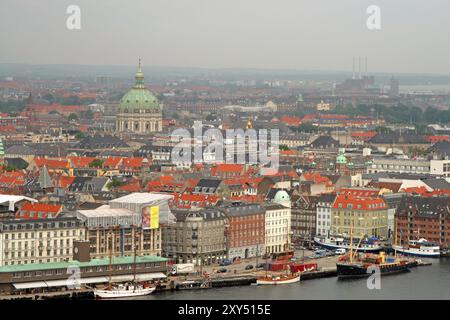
351	243
395	240
110	261
134	259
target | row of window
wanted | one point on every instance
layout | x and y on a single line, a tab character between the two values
51	234
31	253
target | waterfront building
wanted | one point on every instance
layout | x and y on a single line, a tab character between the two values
197	237
303	216
367	216
278	223
139	110
419	217
57	276
246	230
39	240
323	211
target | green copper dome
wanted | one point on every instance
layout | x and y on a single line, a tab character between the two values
341	159
139	98
281	196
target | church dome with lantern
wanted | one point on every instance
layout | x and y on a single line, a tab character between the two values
139	110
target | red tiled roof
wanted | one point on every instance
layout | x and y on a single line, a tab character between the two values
112	162
294	121
81	162
133	186
359	192
289	152
434	139
364	134
8	128
38	210
64	181
132	162
52	163
315	177
186	200
227	167
359	203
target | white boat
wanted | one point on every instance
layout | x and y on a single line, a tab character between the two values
123	291
419	248
337	242
278	280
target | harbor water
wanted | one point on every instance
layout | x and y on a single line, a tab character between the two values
427	282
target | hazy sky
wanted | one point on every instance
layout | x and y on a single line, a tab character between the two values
274	34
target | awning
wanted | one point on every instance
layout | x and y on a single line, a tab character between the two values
30	285
150	276
61	283
94	280
139	277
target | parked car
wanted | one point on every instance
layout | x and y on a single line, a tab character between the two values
225	262
222	270
340	251
260	265
249	267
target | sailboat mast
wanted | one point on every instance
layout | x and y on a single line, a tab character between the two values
267	262
134	260
395	244
351	243
110	259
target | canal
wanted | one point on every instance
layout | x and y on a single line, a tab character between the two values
428	282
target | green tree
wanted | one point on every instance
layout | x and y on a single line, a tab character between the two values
114	183
97	163
73	117
80	135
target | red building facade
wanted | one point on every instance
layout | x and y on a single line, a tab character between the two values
419	217
246	230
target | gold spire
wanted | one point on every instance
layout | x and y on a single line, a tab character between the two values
249	123
139	76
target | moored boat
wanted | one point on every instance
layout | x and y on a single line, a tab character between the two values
123	291
338	242
364	266
279	279
419	248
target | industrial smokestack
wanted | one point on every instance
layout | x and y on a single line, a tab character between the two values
353	70
366	67
359	61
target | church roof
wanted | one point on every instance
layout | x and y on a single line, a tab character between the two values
138	98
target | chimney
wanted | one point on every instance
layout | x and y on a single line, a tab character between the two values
359	62
366	67
353	70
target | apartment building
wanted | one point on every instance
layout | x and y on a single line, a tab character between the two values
39	240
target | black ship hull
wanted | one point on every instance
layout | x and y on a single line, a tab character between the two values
358	271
